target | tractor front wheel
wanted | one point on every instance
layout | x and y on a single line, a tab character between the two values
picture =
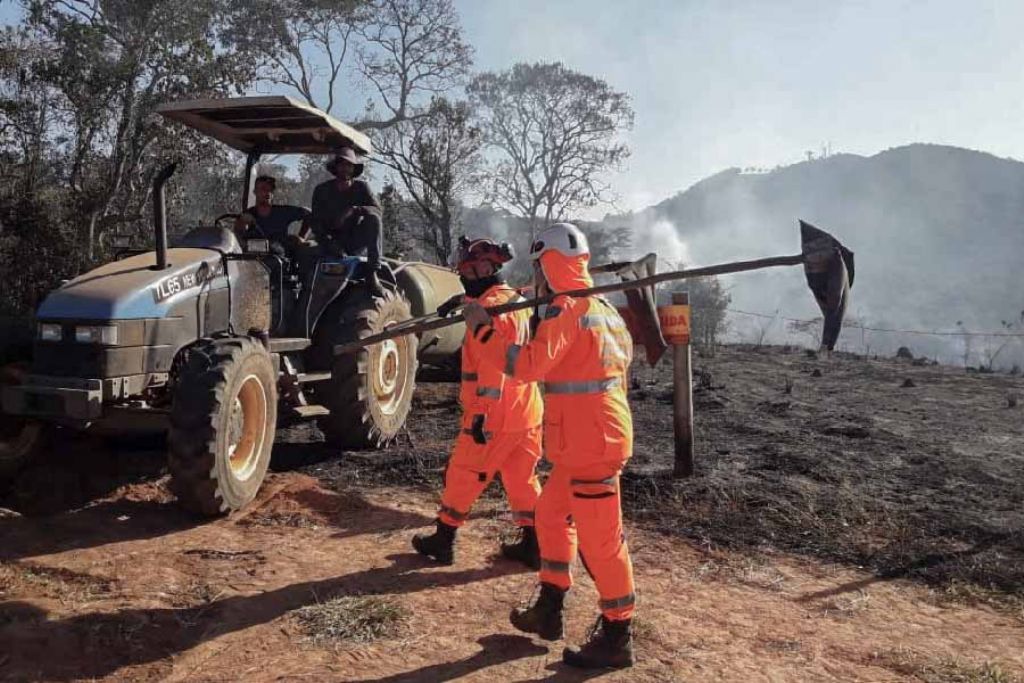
223	420
370	391
20	438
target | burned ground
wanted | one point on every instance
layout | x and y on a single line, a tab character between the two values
839	527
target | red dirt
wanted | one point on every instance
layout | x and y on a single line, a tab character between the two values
130	589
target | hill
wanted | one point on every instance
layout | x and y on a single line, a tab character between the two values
938	232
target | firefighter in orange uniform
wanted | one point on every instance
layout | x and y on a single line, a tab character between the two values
501	418
581	352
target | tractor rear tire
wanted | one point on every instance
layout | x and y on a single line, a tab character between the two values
21	439
370	391
223	419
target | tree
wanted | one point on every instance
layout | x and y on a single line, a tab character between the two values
436	157
709	302
412	51
405	52
553	131
396	214
709	307
607	244
106	65
304	44
34	235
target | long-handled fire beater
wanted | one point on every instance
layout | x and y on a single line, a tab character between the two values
828	266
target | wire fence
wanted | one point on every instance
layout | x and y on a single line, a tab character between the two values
856	326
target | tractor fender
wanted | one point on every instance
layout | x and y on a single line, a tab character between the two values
426	286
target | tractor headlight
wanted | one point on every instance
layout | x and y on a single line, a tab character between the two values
51	332
96	334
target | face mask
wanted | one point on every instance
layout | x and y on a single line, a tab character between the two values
476	288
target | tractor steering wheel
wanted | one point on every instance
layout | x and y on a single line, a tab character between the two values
224	216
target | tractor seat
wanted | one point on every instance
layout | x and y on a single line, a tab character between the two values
210	237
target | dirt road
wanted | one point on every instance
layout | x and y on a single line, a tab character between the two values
103	578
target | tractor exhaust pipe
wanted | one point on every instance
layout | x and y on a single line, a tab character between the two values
160	214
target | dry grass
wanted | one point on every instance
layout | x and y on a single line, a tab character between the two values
751	570
644	629
945	670
295	520
355	619
959	593
846	605
69	587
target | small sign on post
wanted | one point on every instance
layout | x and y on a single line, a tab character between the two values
675	324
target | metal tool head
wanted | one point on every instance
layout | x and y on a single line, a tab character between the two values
642	319
829	268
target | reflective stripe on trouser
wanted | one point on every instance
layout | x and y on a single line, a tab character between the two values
597	386
589	497
472	466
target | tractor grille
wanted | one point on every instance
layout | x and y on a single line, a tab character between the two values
70	359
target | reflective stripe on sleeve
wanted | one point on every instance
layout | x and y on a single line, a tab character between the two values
523	515
511	356
488	392
616	603
596	386
470	377
612	322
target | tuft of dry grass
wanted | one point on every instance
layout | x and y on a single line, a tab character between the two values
644	629
944	670
348	618
846	605
960	593
69	587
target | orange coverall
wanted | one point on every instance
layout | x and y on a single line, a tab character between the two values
511	410
582	352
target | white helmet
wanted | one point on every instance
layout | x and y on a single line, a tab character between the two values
565	238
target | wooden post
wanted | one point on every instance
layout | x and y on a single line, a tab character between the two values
682	383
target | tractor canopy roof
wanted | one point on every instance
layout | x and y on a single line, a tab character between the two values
268	125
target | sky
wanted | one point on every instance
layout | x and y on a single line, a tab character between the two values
723	83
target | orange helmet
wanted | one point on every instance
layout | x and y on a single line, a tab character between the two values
474	251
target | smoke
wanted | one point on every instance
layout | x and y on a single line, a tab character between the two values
662	237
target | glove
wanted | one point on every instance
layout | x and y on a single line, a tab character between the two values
479	436
448	307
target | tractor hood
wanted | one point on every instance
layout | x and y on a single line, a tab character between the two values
132	288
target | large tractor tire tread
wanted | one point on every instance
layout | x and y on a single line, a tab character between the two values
21	440
207	383
357	419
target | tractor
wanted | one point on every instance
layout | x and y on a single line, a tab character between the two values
219	341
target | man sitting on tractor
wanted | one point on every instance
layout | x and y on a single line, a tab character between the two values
268	220
347	216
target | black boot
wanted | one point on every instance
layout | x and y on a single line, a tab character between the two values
610	646
373	284
439	545
544	617
524	550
